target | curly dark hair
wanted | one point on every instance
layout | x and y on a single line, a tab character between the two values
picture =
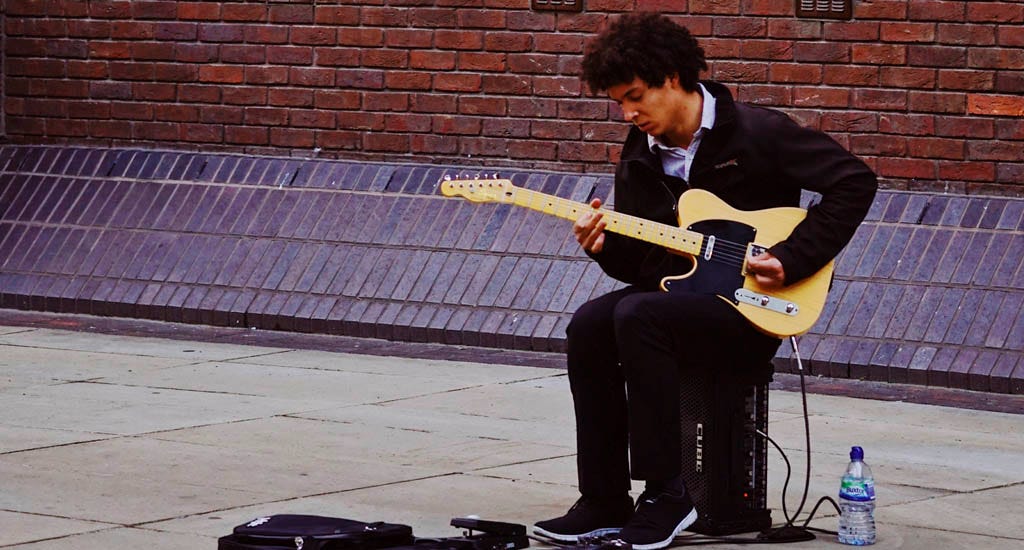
646	45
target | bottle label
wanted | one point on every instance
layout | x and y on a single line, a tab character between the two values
857	490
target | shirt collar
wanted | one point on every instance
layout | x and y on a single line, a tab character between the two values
707	120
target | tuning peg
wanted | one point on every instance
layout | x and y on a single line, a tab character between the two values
447	177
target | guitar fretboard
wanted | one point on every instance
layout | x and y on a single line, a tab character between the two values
674	238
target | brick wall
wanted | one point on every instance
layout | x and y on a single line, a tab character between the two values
927	91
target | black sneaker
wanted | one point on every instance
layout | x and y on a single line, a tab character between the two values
659	517
589	517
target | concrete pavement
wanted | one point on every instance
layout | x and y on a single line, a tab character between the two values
117	442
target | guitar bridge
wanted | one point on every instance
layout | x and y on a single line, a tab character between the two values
771	303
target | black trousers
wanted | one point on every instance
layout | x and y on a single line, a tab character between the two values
627	353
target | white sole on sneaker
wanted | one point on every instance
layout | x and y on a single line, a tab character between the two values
575	538
687	521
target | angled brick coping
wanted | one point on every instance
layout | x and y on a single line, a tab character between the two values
929	292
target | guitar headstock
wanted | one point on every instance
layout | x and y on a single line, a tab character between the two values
479	189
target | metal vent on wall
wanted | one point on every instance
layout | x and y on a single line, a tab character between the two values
558	5
830	9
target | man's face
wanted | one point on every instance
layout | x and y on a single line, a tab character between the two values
655	110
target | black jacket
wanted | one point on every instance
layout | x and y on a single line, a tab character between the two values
753	158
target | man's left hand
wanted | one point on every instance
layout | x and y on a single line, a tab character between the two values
767	270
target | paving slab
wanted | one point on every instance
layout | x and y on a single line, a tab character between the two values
110	441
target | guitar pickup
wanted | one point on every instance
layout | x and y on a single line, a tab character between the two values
766	301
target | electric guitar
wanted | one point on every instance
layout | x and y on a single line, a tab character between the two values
716	236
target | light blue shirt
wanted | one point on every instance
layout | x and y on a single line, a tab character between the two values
676	161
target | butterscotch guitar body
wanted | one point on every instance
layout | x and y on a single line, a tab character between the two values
719	267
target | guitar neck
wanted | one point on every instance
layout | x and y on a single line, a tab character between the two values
667	236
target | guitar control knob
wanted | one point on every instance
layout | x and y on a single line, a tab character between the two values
790	308
765	300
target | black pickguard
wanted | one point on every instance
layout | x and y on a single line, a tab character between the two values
723	273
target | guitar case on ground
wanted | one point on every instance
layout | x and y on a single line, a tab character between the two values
306	532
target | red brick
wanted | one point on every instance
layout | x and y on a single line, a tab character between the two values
936	148
245	95
871	145
966	80
337	99
938	102
907	32
336	15
796	29
720	7
110	129
202	133
458	82
822	52
311	36
221	32
1005	151
328	140
512	129
906	168
388	101
103	90
362	37
407	80
65	128
202	11
879	54
848	122
241	53
266	34
176	72
292	137
968	127
966	171
882	100
153	51
440	61
457	125
966	35
403	122
854	31
337	57
289	55
1012	36
995	12
246	135
880	9
458	40
936	10
433	144
850	75
409	38
1010	129
199	93
292	13
223	74
533	150
531	21
292	97
395	143
509	84
508	42
794	73
1002	58
721	48
746	27
266	75
937	56
389	17
221	114
174	112
741	72
244	12
766	95
429	103
907	77
483	62
777	50
110	50
196	53
311	76
477	18
997	105
556	86
267	116
554	129
157	131
154	91
360	121
483	105
390	59
819	96
914	125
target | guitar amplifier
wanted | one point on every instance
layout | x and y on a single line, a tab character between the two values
724	461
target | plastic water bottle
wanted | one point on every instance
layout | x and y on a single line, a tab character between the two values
857	502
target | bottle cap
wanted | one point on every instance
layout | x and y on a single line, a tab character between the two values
856	453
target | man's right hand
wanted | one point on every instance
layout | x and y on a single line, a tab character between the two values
589	228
